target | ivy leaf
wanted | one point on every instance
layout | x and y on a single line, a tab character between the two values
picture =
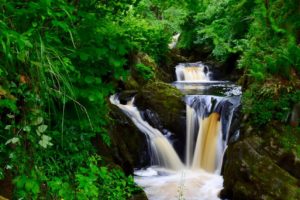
10	116
27	129
45	141
38	121
42	128
13	140
7	127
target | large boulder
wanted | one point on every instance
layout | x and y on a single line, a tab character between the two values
165	100
163	107
254	170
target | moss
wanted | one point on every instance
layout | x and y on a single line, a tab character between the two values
165	100
131	84
253	171
143	69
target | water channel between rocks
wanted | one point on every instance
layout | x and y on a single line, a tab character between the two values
210	106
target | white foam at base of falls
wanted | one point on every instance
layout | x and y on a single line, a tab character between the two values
184	184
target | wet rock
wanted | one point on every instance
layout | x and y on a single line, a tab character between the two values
291	163
235	124
126	96
128	148
167	107
139	196
167	102
153	119
251	174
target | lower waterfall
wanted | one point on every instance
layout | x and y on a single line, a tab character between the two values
205	150
208	122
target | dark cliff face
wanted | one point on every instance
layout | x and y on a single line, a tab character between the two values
257	167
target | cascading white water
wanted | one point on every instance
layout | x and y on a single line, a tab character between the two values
208	123
170	179
163	153
192	72
191	124
213	118
174	41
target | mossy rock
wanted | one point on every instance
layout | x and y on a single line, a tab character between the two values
251	174
131	84
165	105
152	72
166	101
138	78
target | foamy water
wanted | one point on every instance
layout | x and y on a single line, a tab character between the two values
185	184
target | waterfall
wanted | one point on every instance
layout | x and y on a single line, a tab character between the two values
192	72
212	116
174	41
208	121
163	154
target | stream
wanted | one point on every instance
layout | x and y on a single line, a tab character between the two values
210	106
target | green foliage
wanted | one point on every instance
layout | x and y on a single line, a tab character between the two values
219	25
290	140
94	182
269	102
169	13
263	33
272	40
60	60
145	71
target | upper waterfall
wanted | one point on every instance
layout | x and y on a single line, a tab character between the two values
192	72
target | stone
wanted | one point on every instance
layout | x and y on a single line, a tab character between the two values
139	196
251	174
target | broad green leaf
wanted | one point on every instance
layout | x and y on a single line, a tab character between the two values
13	140
7	127
27	129
45	141
42	128
10	116
38	121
